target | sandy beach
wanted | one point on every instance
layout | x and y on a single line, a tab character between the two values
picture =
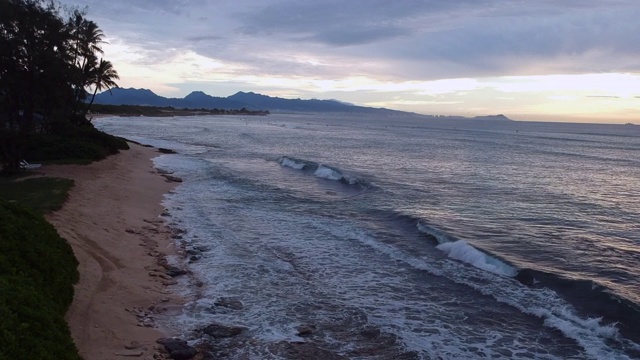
111	221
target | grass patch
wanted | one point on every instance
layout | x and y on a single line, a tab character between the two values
37	273
43	195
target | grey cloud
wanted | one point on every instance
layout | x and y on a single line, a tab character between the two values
199	38
573	41
393	40
343	23
344	37
120	8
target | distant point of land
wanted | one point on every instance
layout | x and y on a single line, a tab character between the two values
498	117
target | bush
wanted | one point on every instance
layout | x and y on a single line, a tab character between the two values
38	270
75	144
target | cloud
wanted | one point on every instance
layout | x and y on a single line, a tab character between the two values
402	40
199	38
341	23
427	52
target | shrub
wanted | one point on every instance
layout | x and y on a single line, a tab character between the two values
82	144
37	273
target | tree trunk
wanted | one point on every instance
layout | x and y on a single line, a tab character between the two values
91	103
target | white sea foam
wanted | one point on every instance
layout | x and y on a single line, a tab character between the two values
351	180
327	173
285	161
591	334
462	251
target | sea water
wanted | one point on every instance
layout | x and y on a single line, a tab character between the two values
407	237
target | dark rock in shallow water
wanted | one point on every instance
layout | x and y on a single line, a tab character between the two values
172	178
222	331
193	252
178	349
305	330
167	151
525	276
231	303
371	333
174	271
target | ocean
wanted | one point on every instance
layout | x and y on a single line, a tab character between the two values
404	237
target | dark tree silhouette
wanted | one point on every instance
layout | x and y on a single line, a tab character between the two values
103	77
46	66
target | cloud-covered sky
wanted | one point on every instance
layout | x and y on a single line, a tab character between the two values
568	60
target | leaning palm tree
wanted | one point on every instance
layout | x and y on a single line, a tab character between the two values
102	77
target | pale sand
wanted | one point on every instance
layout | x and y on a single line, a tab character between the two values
111	221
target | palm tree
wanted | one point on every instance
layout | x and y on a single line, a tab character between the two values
87	38
91	38
103	77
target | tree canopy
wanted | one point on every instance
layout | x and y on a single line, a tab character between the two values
50	60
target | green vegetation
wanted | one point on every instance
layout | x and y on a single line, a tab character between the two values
49	65
36	287
141	110
74	145
43	194
37	271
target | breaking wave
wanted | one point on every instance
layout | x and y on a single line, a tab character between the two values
462	251
322	171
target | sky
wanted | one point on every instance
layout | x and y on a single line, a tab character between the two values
539	60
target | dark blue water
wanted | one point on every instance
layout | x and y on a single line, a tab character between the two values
409	238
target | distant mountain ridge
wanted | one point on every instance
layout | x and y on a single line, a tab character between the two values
239	100
253	101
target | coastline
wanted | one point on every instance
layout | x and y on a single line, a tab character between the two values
111	222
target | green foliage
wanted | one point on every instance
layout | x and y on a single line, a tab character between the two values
42	194
37	273
73	144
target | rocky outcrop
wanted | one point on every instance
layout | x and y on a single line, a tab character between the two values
172	178
218	331
305	330
230	303
167	151
178	349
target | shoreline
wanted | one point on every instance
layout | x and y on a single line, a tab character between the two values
111	220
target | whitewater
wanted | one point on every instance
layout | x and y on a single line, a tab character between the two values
404	237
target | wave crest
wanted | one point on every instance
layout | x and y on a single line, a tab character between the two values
321	171
462	251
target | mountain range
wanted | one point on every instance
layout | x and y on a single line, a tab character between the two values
252	101
239	100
